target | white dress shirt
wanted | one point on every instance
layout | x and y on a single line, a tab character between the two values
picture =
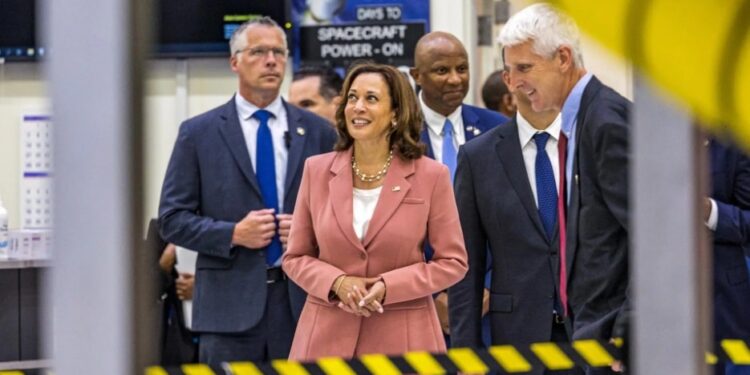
435	122
526	134
364	204
278	126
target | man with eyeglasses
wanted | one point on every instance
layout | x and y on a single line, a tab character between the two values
228	194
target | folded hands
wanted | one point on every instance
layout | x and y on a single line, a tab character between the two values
360	296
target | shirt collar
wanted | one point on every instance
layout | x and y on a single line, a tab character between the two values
435	120
246	109
572	103
526	131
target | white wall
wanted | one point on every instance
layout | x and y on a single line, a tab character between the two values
210	82
22	90
610	69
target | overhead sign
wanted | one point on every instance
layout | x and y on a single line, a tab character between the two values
338	32
341	44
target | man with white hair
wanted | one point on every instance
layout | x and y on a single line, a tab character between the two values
542	57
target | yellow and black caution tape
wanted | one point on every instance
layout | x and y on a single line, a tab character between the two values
511	359
707	71
503	359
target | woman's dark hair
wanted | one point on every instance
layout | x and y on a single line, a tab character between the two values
405	137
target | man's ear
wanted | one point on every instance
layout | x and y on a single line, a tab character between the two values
414	73
565	57
233	62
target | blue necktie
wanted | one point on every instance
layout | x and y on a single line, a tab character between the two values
449	150
265	171
545	185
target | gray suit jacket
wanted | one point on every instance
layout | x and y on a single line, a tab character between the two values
497	210
209	186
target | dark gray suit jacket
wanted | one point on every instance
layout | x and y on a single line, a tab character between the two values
497	210
598	214
209	186
730	172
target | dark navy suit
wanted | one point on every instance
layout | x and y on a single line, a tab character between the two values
497	210
597	214
730	173
209	186
477	121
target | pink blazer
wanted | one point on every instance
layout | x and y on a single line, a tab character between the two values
416	202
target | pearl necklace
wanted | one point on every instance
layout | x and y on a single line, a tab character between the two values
371	177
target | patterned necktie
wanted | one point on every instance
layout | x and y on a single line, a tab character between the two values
562	150
449	150
545	185
265	171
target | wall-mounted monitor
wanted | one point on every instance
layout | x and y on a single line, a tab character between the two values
200	28
183	28
18	37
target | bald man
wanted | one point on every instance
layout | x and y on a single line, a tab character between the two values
442	71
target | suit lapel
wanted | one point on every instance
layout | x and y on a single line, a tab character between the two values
574	204
471	122
426	140
231	131
297	134
509	151
341	193
395	188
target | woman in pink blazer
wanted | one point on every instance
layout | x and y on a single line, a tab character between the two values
362	217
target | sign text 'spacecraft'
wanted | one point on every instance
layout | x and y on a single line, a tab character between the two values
381	42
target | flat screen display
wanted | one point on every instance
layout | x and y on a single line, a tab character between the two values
18	38
183	28
194	28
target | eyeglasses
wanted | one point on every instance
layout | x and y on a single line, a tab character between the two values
261	52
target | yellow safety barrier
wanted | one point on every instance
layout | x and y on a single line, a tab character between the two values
708	71
513	359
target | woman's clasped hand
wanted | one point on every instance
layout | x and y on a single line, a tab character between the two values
359	295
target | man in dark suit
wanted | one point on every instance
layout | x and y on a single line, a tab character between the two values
501	200
543	59
441	69
727	215
233	171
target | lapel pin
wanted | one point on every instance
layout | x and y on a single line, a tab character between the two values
576	177
477	131
396	188
301	131
470	128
